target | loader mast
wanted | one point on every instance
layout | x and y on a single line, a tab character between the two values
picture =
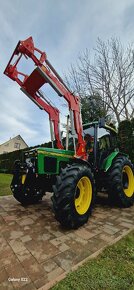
44	73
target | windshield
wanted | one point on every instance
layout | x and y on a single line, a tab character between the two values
89	131
101	132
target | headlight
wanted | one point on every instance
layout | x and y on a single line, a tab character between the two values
30	161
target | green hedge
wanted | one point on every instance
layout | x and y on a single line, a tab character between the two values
126	137
7	160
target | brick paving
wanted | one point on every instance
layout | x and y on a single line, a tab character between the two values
35	250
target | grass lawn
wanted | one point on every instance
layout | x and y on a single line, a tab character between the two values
112	270
5	180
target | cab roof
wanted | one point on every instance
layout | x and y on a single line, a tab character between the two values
101	124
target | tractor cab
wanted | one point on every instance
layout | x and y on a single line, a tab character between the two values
102	141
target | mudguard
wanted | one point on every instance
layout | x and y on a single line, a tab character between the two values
108	161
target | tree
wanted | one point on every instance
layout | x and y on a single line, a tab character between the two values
91	108
109	75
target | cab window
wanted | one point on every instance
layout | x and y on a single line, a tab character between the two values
104	142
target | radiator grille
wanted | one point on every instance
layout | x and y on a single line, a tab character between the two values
50	164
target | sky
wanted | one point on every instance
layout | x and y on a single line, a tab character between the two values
63	29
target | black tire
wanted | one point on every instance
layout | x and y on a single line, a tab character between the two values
67	195
121	182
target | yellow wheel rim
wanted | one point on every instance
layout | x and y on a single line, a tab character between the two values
128	181
83	195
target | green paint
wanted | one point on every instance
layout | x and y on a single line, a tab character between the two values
54	150
58	154
108	161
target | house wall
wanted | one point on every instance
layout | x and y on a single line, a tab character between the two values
13	144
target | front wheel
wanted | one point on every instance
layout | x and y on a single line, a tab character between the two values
121	182
74	195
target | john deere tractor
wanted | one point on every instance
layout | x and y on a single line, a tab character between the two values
88	162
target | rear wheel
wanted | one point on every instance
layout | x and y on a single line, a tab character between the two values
74	195
121	182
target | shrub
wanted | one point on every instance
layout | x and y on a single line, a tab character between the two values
126	137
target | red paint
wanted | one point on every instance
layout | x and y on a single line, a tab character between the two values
32	83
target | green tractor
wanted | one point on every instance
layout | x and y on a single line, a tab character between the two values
75	182
88	162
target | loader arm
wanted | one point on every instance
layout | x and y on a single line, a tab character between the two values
53	113
42	74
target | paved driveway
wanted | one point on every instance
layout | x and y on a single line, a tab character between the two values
35	250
